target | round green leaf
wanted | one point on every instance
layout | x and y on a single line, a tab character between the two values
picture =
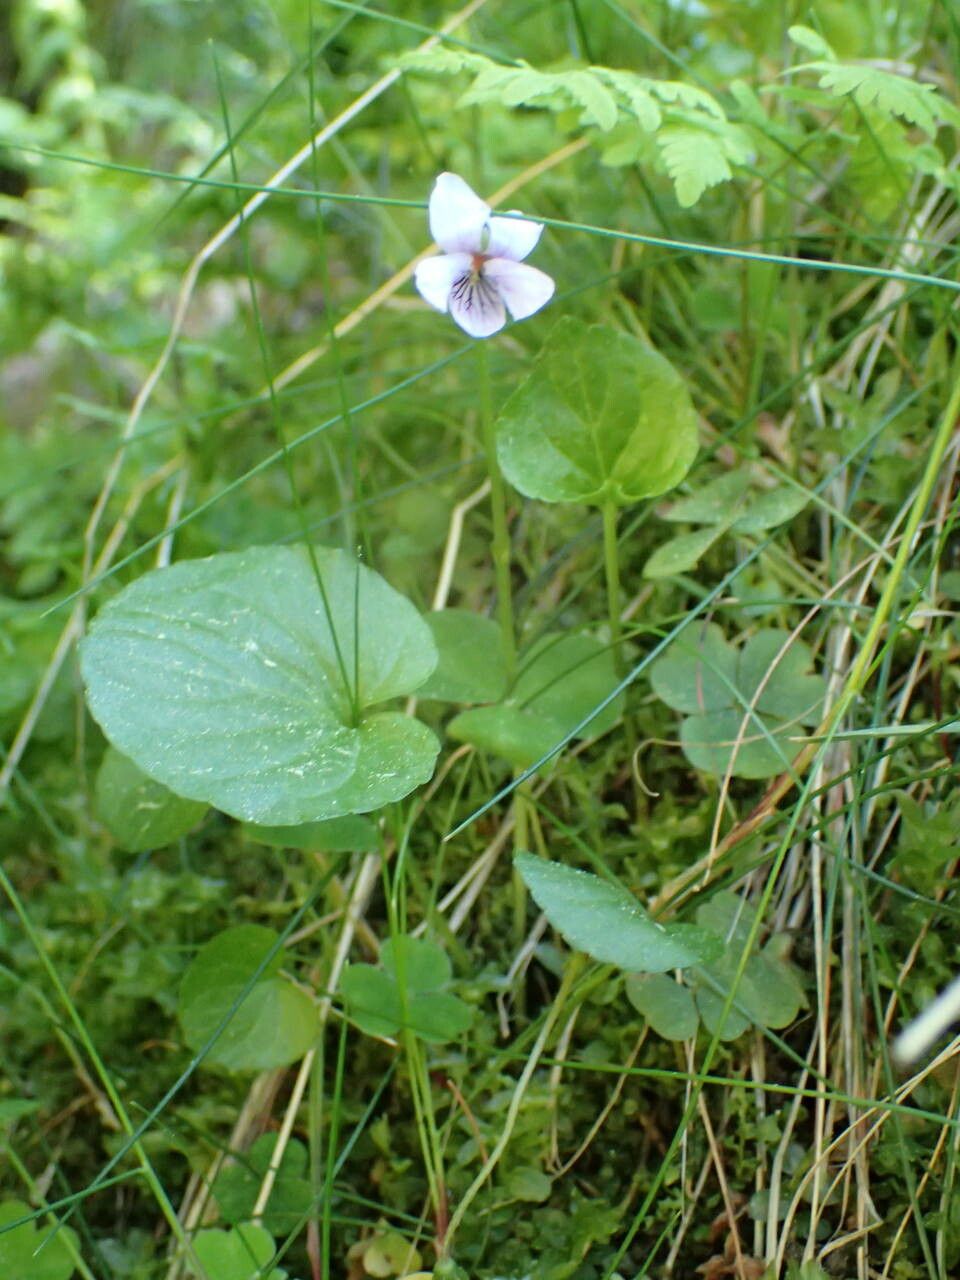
373	999
28	1252
272	1025
138	812
601	417
731	916
710	1006
607	922
220	678
768	993
562	679
519	737
439	1016
471	666
771	993
666	1004
352	834
527	1183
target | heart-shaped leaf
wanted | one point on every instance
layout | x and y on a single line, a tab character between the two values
139	812
233	681
272	1025
602	417
604	920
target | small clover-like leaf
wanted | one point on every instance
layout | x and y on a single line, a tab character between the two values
768	510
242	1253
698	671
767	992
407	991
725	503
745	708
745	741
682	553
667	1005
237	1186
772	675
419	964
718	501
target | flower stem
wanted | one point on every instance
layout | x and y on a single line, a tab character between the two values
521	844
421	1092
611	566
498	509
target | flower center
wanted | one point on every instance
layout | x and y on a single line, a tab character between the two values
473	290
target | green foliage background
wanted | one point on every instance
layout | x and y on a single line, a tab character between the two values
765	194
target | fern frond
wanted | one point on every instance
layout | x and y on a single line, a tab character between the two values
688	96
883	91
698	158
635	92
695	141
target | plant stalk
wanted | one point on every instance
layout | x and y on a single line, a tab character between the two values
611	565
498	511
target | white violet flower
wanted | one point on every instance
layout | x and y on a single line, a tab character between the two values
481	270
